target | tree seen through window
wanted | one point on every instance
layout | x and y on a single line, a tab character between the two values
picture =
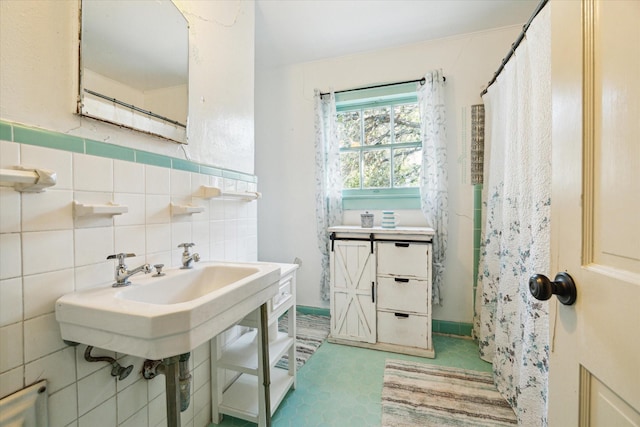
380	147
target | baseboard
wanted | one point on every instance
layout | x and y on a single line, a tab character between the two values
451	328
445	327
313	310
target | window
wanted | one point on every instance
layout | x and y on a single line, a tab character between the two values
380	150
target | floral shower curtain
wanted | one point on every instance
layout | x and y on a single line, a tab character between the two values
512	326
328	179
434	201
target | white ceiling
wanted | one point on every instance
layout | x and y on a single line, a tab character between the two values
293	31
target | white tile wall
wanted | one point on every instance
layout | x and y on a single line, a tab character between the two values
11	354
44	289
63	408
10	301
91	173
47	252
11	258
59	369
59	161
102	415
9	210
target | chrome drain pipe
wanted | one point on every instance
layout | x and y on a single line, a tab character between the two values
184	381
177	384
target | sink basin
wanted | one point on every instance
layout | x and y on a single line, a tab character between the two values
159	317
183	286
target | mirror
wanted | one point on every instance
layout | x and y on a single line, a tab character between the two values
134	58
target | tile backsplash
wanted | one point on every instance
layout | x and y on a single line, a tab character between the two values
47	252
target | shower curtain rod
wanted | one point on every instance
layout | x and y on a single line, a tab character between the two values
422	81
515	45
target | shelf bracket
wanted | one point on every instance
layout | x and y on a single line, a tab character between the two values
185	209
208	192
28	180
82	209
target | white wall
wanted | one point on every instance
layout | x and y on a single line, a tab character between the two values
285	152
45	252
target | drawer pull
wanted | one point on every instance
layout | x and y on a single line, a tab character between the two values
373	292
400	279
401	315
402	244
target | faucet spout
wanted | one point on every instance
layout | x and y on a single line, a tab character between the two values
124	276
122	273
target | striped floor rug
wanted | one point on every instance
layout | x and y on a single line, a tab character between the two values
417	394
311	331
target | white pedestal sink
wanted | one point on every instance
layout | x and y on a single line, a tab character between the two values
162	317
159	317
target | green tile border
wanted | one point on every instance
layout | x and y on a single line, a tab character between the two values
438	326
451	328
208	170
43	138
477	236
185	165
313	310
5	132
100	149
23	134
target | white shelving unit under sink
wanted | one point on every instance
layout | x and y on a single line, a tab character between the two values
239	397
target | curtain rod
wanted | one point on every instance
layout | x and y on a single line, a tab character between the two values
422	81
515	45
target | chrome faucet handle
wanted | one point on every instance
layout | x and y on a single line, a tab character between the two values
187	258
158	268
121	256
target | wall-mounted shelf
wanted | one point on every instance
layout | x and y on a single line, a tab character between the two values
185	209
31	180
208	192
82	209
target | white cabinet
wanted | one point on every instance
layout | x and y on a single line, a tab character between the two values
235	366
381	288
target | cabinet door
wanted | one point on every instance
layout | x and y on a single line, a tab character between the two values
353	309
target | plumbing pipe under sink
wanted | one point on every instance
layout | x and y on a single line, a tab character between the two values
116	370
151	369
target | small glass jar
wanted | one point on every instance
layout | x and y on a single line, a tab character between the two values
366	220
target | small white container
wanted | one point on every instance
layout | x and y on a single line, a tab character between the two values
388	219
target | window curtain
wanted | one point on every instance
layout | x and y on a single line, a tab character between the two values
328	180
434	201
512	326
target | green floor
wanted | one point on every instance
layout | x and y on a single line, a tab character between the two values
342	385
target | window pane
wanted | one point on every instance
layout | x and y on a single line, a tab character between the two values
350	169
377	126
377	169
407	123
349	129
406	167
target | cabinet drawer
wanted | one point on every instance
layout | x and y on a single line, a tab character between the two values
284	294
403	294
403	259
403	329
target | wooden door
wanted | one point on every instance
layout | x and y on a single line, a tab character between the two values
594	375
353	276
